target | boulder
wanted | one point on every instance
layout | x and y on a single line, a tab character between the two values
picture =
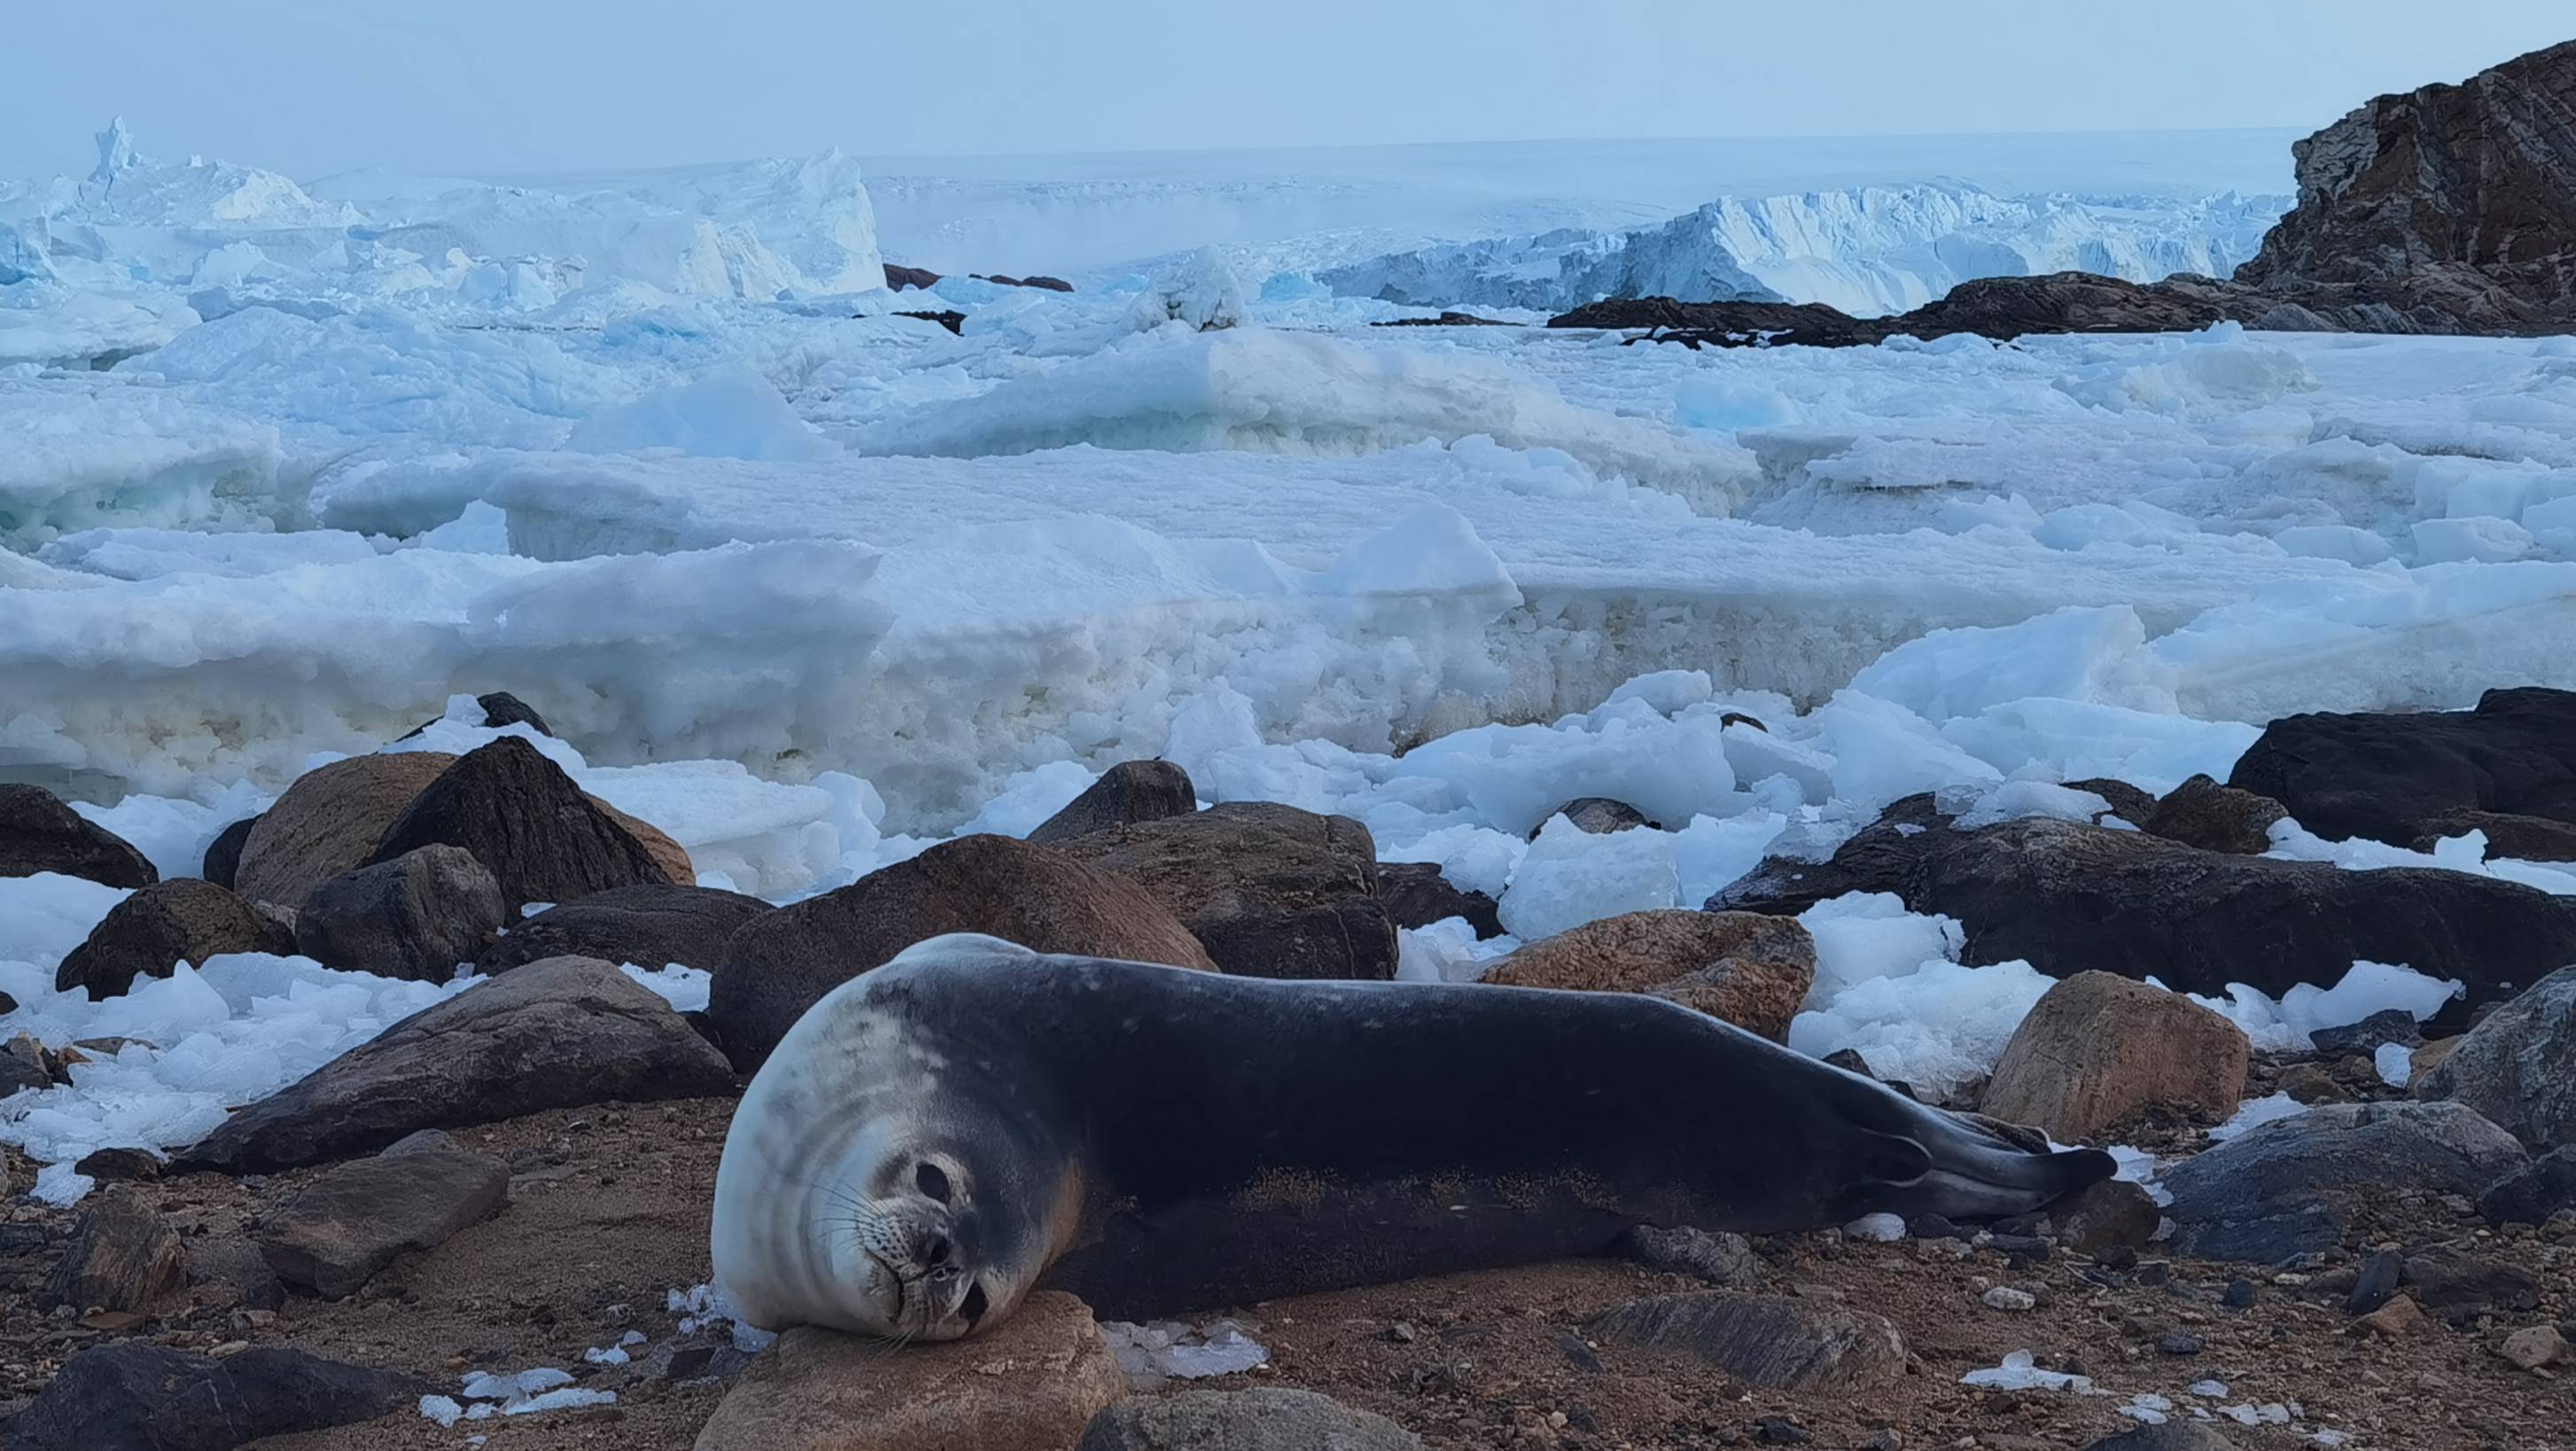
416	916
2517	1067
1770	1341
676	865
556	1034
150	933
1271	891
2105	1215
2066	897
2171	1435
500	709
1598	815
1416	894
1272	1418
2286	1188
120	1256
1748	969
2534	1192
780	963
328	822
333	1236
1721	1258
2393	777
2128	802
650	926
2388	1025
229	1267
1032	1383
38	833
139	1397
2097	1049
899	277
2202	813
223	854
2521	838
1126	794
527	823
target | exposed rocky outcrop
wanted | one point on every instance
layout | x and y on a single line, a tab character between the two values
2518	1066
356	1218
2202	813
2399	777
138	1397
1417	894
2287	1188
1774	1342
328	822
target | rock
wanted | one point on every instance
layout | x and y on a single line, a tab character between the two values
2397	1319
1416	894
233	1265
2170	1436
2202	813
1720	1258
780	963
2520	838
2534	1347
2128	803
1271	891
121	1256
416	916
2312	1084
2282	1189
328	822
1774	1342
2389	1025
2068	897
2375	1284
2005	1297
1598	815
38	833
1125	795
555	1034
2098	1048
25	1063
651	926
1273	1418
119	1164
669	855
500	709
1731	324
1042	283
2457	1287
138	1397
2531	1194
2518	1066
151	932
223	854
899	277
354	1220
2111	1214
1032	1383
2389	777
2421	1063
1748	969
527	823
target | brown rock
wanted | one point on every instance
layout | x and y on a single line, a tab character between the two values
1031	1383
1125	795
38	833
1271	890
667	854
1416	894
650	926
2521	838
1272	1418
541	838
2429	1057
112	1164
1750	970
780	963
2397	1319
416	916
2098	1048
329	822
1598	815
2534	1347
120	1256
1775	1342
355	1219
2128	803
151	932
2111	1214
2202	813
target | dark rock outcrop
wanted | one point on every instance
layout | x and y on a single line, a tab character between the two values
223	854
1598	815
1774	1342
780	963
541	838
899	277
556	1034
2202	813
500	708
2287	1187
416	916
1127	794
2517	1067
121	1256
151	932
38	833
2391	777
139	1397
650	926
2534	1192
1416	894
1037	280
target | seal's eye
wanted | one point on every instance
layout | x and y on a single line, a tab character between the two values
932	1181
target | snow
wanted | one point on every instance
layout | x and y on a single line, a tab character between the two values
2020	1372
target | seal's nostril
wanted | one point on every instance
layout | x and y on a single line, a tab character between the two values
937	1252
974	1305
931	1181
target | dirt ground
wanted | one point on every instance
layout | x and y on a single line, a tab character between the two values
608	1214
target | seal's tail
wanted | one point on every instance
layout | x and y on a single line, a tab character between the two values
1971	1167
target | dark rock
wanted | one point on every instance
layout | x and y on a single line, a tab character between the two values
38	833
1446	319
500	709
2531	1194
1271	891
2376	1282
328	822
1272	1418
1933	1226
2286	1187
151	932
527	823
2518	1065
780	963
1773	1342
1720	1258
1041	282
2173	1435
2202	813
138	1397
2389	777
1598	815
223	854
2520	838
2178	1343
2455	1287
2389	1025
121	1256
24	1063
109	1165
1850	1061
899	277
2066	897
1779	1431
232	1263
355	1219
1125	795
556	1034
2112	1214
2128	803
651	926
1741	967
2240	1294
949	318
416	916
1730	324
1416	895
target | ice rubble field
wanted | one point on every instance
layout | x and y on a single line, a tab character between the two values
813	586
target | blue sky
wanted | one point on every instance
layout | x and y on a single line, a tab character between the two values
313	86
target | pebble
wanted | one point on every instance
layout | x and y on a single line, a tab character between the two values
2240	1295
2005	1297
2377	1283
2400	1316
2178	1343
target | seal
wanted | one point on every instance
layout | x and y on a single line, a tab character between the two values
973	1120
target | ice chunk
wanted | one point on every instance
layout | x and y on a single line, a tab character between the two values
733	415
2020	1372
1570	876
2097	656
2487	541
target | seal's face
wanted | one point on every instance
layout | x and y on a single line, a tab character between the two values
924	1253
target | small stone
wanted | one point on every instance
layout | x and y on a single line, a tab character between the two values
2112	1214
1779	1431
2005	1297
2534	1346
2376	1284
1932	1226
2239	1295
2397	1319
2179	1343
